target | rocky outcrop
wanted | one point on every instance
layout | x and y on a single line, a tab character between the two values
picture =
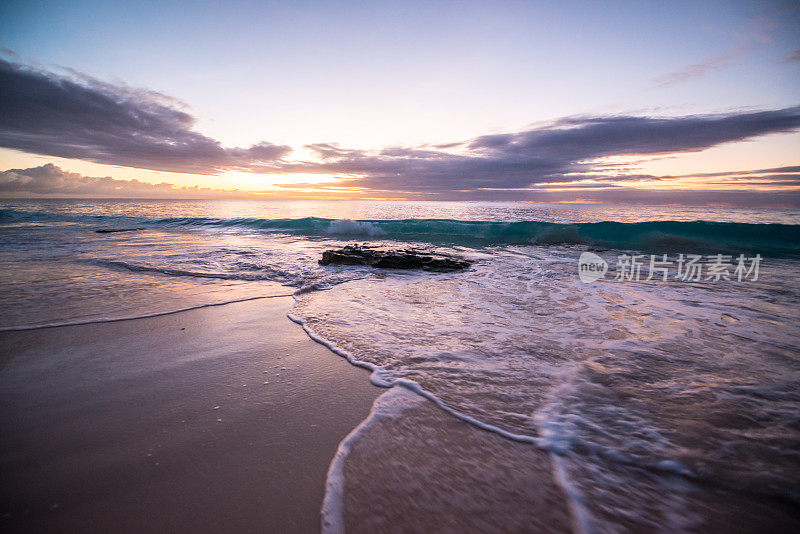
393	259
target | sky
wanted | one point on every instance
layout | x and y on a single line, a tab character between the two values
615	102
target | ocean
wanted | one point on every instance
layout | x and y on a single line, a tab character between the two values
664	383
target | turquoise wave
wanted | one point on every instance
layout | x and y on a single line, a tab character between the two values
654	236
777	240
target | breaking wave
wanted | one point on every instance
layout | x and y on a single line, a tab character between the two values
777	240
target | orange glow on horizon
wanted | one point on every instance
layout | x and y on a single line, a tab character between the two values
579	201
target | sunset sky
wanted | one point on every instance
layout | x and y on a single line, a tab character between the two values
631	102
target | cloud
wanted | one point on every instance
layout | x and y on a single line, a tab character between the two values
698	69
565	151
591	137
49	180
76	116
793	56
788	168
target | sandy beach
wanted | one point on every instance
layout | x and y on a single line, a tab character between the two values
216	419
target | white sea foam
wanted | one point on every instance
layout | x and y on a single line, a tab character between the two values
518	346
391	404
40	326
348	227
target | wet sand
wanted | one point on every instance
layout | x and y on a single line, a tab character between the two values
220	419
226	419
422	470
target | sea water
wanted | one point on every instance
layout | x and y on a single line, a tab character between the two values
648	394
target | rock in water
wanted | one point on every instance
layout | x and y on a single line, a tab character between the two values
393	259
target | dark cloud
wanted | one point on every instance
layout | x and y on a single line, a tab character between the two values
75	116
565	151
49	180
579	138
773	170
333	150
793	56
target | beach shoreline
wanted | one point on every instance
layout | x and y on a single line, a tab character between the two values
525	398
214	419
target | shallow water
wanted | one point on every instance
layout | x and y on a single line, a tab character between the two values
652	397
